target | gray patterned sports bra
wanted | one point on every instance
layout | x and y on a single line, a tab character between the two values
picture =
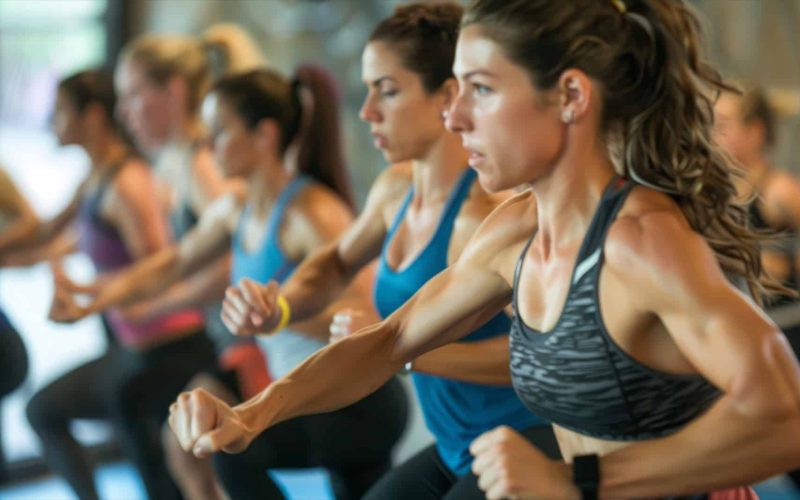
576	375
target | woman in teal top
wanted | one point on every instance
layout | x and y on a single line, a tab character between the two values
421	212
289	210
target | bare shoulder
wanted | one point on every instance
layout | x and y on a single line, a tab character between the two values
511	223
134	177
321	206
782	187
651	241
391	184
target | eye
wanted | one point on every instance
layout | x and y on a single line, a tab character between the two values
389	93
479	89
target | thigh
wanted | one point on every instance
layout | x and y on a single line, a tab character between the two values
82	392
423	476
13	360
363	433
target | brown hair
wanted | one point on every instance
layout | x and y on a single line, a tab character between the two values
265	94
754	106
223	48
424	37
658	96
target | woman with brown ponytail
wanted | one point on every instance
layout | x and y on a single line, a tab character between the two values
661	379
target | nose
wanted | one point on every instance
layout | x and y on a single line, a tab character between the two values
456	117
368	112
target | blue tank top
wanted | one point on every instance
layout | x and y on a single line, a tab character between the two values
455	412
577	376
286	349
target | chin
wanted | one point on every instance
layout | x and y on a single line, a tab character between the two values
490	182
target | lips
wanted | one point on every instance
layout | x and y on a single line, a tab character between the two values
379	141
475	156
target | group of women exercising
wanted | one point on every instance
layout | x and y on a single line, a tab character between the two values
569	265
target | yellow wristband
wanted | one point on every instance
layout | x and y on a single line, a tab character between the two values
286	314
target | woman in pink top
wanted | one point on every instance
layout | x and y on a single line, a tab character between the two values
147	363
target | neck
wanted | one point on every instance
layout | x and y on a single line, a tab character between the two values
568	196
435	174
266	184
186	130
104	149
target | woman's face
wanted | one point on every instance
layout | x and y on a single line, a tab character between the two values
513	132
67	121
405	120
143	106
234	144
741	140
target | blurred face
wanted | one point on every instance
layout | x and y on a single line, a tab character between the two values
144	107
67	121
512	131
234	144
739	139
405	121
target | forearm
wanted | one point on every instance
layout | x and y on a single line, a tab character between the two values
332	378
723	448
142	281
482	362
316	284
22	230
59	247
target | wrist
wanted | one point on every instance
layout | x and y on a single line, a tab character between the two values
285	312
586	476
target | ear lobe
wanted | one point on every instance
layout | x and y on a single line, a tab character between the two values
449	91
269	136
576	90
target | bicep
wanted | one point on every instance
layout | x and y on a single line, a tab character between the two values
719	330
451	305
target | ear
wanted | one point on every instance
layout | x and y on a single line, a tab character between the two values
757	132
94	116
268	137
576	93
448	92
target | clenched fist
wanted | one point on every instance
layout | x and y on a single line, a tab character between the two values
205	424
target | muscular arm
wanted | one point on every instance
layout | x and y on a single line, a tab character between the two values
448	307
731	343
325	274
481	362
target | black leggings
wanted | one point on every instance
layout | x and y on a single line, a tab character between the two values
793	335
131	389
13	370
353	443
425	476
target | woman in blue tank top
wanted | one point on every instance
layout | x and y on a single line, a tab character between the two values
662	379
418	217
290	209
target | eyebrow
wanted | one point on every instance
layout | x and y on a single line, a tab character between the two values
476	72
377	82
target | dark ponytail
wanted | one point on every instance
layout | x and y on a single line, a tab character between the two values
264	93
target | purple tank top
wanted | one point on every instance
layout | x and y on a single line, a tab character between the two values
103	244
